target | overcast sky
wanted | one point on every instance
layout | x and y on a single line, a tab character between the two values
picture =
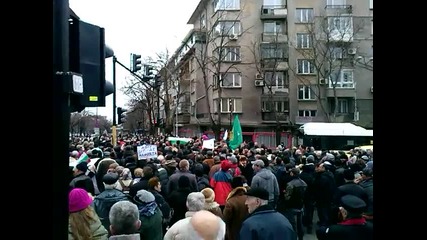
143	27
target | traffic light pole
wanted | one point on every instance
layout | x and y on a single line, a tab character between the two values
143	79
113	128
61	118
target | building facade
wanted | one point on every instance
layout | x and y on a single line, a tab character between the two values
276	63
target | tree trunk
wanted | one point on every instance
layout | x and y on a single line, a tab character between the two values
278	135
217	131
168	128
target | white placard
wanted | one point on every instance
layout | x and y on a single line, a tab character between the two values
209	144
146	151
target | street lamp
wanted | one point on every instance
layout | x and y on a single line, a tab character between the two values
365	62
230	107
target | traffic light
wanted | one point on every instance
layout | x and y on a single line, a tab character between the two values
149	71
87	57
121	115
135	62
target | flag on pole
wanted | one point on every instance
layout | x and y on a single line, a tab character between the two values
236	137
225	135
83	158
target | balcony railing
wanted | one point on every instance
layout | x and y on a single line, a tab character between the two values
274	12
185	79
336	10
271	37
275	116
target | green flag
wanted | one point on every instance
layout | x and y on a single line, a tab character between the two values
236	137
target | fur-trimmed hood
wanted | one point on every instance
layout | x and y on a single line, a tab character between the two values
237	192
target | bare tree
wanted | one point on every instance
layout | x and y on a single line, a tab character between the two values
78	122
216	57
84	123
156	92
170	89
142	97
270	55
326	50
136	117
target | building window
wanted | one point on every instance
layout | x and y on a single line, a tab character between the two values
304	15
228	105
225	28
304	40
275	106
337	3
226	5
273	2
371	4
342	79
305	66
273	28
203	21
193	86
338	53
231	80
228	54
340	28
307	113
343	106
341	24
305	93
275	79
273	51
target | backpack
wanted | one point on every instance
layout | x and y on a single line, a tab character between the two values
125	189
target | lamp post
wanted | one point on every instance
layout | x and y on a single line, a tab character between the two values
230	107
365	62
158	84
176	114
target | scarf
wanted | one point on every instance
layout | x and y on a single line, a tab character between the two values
148	209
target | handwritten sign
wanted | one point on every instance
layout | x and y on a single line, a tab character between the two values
146	151
209	144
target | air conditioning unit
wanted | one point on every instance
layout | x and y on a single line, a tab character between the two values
259	83
233	37
323	81
372	89
352	51
259	76
267	11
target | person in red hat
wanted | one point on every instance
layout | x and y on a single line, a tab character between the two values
83	221
221	183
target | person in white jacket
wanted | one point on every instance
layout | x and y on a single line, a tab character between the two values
182	229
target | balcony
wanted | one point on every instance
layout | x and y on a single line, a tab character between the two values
303	120
338	10
274	12
278	64
274	37
341	92
275	94
272	117
184	118
185	79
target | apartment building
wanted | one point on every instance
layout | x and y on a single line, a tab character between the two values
276	63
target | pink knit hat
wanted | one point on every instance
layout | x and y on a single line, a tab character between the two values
78	199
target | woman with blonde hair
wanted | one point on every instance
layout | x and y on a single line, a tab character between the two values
210	204
83	221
